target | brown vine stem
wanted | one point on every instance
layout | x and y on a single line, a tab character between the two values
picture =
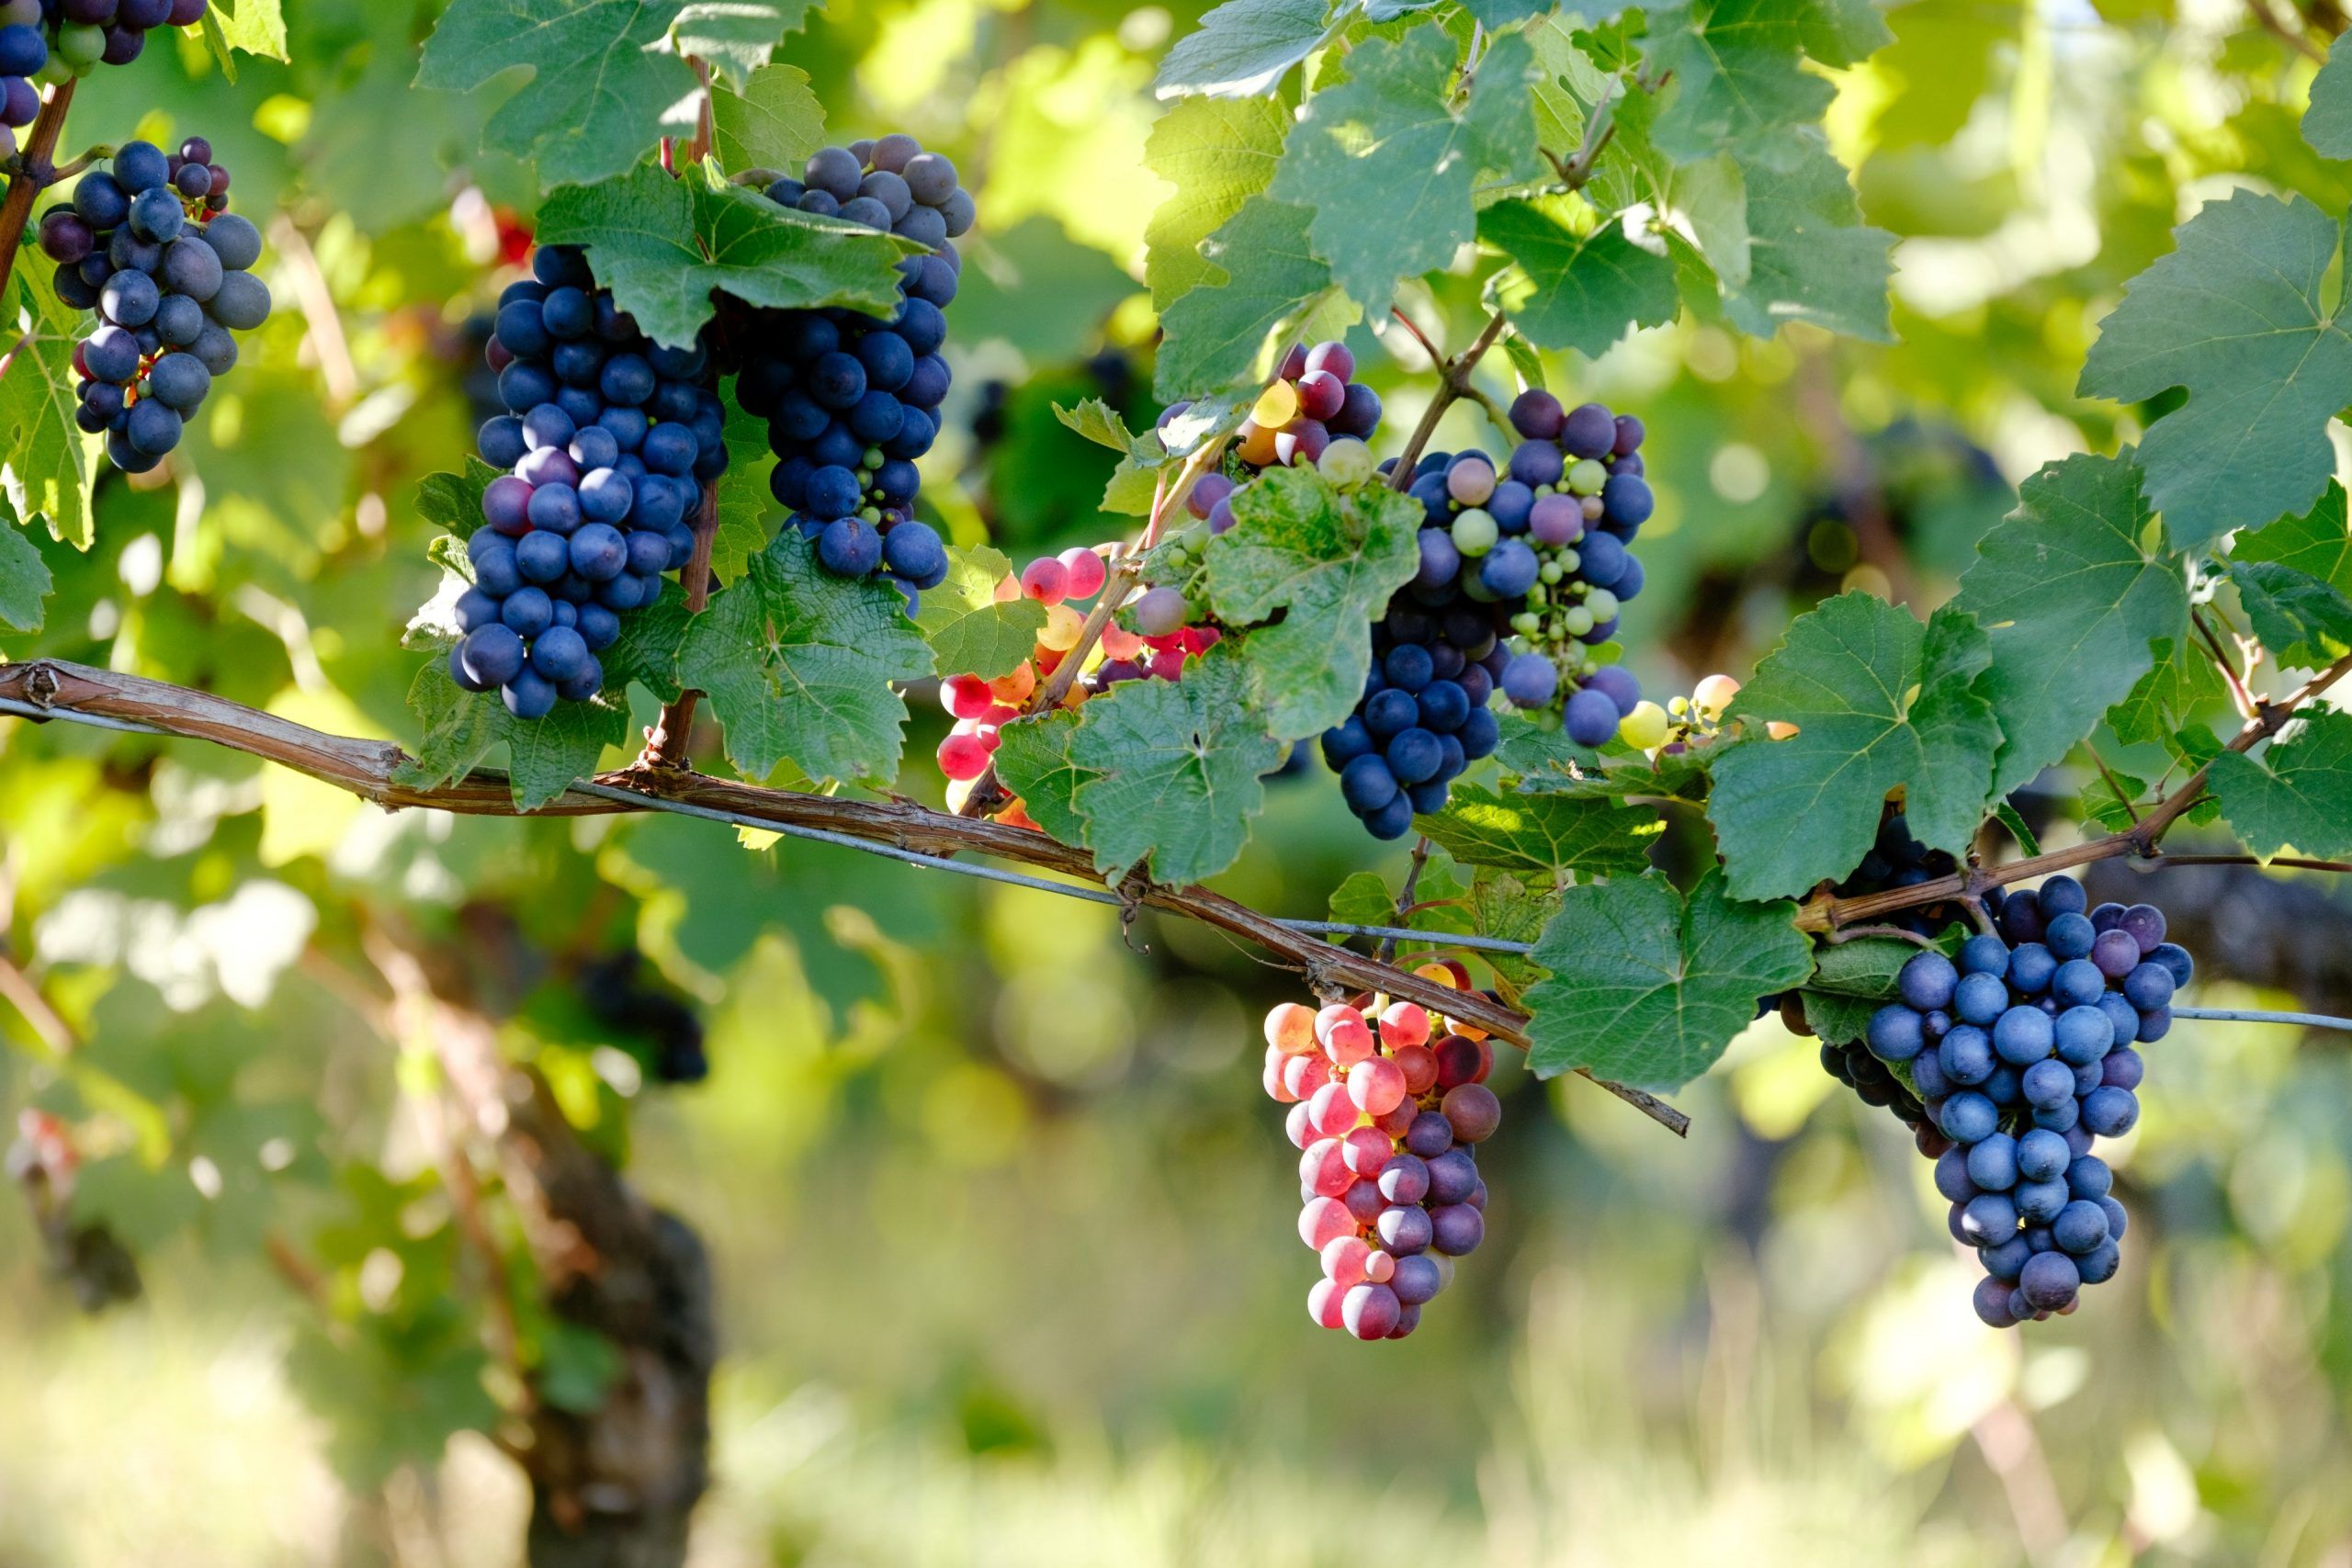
2293	862
370	770
1453	379
35	174
2239	695
1825	912
665	744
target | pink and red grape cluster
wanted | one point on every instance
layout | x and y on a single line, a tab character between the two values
1062	584
1388	1114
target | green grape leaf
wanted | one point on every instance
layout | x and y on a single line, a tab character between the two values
2073	587
1648	988
745	501
1032	760
1681	777
2113	807
24	581
600	87
2298	794
257	27
1268	277
1835	1018
1329	562
1388	166
1878	700
47	465
1243	49
1100	422
647	650
2290	609
1580	291
2234	316
2327	123
1503	906
1736	67
545	756
773	122
969	632
1866	968
736	36
1364	900
1218	152
2178	682
1548	835
2317	546
1810	256
663	246
1177	766
798	664
453	501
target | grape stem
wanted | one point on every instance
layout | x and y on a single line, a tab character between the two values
1405	894
665	744
49	689
33	174
2113	788
1855	933
2243	698
1826	911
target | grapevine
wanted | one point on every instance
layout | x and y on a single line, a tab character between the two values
148	245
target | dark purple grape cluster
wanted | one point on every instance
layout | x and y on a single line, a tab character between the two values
1898	859
146	243
56	38
1572	498
1436	657
2021	1055
852	400
613	442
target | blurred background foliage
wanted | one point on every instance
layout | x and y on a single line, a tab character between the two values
999	1222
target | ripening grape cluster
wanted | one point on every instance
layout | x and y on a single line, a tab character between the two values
1062	584
1310	403
44	41
1387	1119
611	440
852	400
145	241
1898	859
2021	1055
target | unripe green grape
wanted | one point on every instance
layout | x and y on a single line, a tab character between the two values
1570	558
1527	623
1474	532
1588	476
1550	572
1346	462
81	46
1602	603
1643	727
1577	621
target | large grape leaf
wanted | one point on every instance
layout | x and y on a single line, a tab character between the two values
2290	609
664	245
1387	165
2327	123
1878	700
736	36
1268	277
2072	586
970	632
1581	291
1735	69
1648	988
2318	546
2235	317
599	86
1549	835
1176	767
48	467
1810	258
1329	562
773	122
1032	760
1218	152
24	581
1243	48
798	664
2178	682
2298	794
545	756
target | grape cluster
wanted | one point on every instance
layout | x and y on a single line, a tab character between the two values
2020	1056
1559	518
1898	859
51	40
851	399
1061	583
146	243
1387	1120
611	440
1310	403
